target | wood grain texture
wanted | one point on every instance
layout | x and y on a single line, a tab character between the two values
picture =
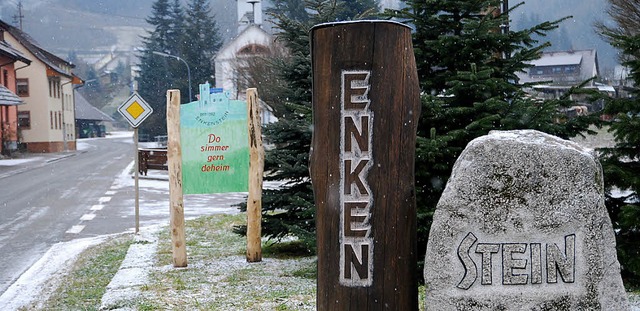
342	53
256	169
174	160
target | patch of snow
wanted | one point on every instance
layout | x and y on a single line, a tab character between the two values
31	286
134	270
12	162
123	134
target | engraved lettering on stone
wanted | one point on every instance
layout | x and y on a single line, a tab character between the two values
563	263
509	264
356	198
536	263
486	250
521	263
470	269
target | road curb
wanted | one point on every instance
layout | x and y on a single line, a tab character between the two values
126	285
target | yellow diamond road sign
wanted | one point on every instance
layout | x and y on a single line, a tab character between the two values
135	110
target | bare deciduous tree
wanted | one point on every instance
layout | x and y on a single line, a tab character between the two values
625	15
260	70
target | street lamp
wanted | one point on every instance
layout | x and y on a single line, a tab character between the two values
180	59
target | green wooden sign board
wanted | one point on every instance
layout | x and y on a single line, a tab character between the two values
215	148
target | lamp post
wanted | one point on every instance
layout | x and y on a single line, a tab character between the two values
180	59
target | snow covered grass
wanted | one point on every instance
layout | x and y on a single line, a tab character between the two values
37	284
219	278
84	286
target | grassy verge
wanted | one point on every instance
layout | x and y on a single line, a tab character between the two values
83	287
219	278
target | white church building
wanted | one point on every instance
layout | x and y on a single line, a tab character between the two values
251	40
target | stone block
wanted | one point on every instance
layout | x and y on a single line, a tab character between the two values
522	225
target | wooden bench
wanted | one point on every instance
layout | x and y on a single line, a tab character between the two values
152	159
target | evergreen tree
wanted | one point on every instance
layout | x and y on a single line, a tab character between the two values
467	68
354	9
345	9
193	37
201	41
621	164
560	38
292	9
154	80
290	210
175	35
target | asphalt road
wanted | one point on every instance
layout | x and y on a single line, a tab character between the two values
54	201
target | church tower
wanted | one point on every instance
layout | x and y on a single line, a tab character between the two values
249	12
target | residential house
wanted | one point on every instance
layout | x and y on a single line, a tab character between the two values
8	98
46	86
554	73
563	68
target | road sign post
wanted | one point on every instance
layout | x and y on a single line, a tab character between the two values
135	110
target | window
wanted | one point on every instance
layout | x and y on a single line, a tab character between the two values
55	88
51	118
22	87
24	119
253	49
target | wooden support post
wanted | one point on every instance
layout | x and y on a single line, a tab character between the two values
174	161
366	106
256	168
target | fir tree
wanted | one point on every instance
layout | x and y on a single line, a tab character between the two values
354	9
202	41
175	35
621	164
290	210
154	80
292	9
194	37
467	68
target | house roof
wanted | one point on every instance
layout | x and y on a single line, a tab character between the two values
558	58
585	60
7	98
85	111
52	61
9	51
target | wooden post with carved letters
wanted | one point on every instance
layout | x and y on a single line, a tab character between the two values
365	110
256	168
174	162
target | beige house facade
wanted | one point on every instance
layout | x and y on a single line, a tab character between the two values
46	119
